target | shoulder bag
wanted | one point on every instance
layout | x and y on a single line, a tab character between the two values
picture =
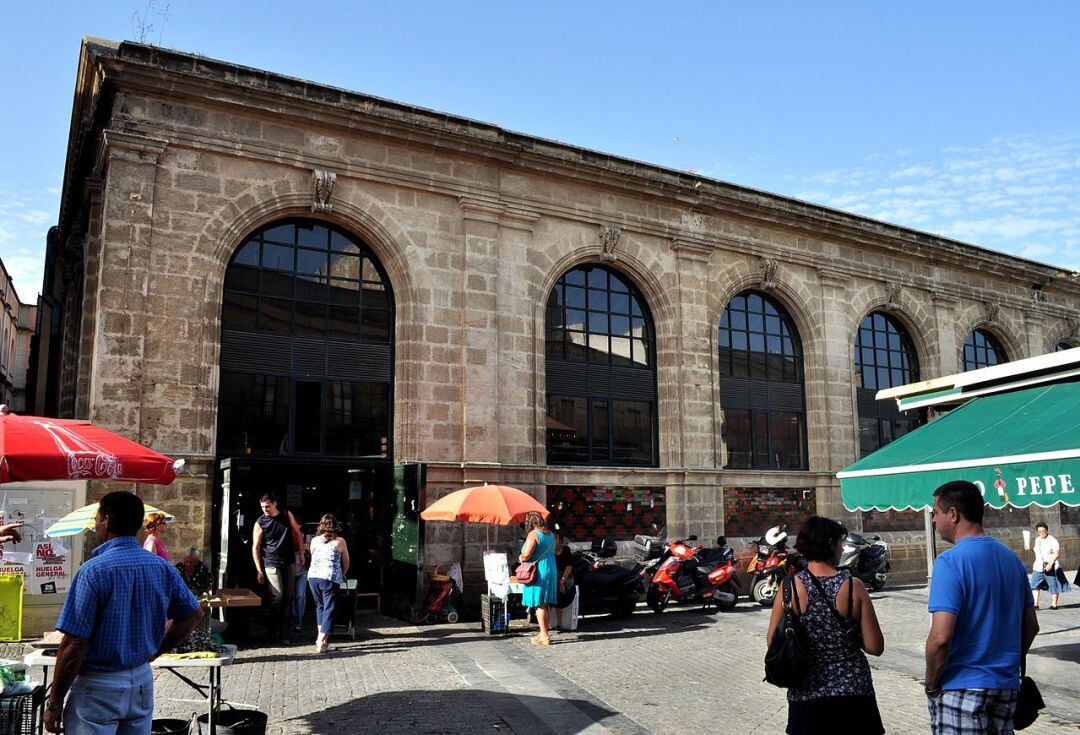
525	572
849	625
787	662
1028	703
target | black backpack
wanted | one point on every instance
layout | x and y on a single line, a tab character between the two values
787	661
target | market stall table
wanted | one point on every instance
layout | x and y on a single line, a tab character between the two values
212	691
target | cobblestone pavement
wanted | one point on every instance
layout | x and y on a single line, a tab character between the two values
681	672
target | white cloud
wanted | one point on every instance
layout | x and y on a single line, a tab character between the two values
25	218
1019	195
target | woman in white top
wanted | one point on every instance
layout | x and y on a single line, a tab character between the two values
1046	568
329	565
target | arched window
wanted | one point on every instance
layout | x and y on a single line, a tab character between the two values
761	382
884	358
601	371
306	345
982	349
1064	345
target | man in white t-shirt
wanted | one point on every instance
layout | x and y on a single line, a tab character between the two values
1045	568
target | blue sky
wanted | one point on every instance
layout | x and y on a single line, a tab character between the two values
956	118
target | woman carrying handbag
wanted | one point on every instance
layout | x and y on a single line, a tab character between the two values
538	558
839	626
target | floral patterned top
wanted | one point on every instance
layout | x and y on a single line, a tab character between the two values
839	667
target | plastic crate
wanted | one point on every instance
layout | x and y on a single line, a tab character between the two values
21	713
493	615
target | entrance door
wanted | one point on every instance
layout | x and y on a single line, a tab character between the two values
360	497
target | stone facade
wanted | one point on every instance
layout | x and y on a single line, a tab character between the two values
17	324
174	159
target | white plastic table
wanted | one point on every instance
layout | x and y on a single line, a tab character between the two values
212	691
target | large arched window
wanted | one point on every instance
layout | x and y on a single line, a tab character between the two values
884	358
601	371
306	345
982	349
761	382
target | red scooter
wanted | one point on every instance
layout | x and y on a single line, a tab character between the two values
693	574
770	565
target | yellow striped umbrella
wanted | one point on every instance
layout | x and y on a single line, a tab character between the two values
83	519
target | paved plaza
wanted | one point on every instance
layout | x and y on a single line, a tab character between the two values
681	672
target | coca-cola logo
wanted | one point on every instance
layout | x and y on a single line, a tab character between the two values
99	465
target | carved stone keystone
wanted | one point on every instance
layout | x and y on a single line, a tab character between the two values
768	273
323	184
609	238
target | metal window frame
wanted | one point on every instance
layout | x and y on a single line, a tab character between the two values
300	366
595	381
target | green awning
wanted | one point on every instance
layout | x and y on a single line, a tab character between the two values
1020	448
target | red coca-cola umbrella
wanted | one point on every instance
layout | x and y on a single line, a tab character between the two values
38	448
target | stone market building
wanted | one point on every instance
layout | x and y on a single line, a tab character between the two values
363	305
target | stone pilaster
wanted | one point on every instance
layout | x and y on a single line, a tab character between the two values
479	322
92	263
945	320
126	239
518	442
1034	334
698	441
842	439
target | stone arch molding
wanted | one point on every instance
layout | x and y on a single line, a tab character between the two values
912	316
974	316
798	301
1068	330
390	243
659	303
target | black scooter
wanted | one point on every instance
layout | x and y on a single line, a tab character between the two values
604	585
867	559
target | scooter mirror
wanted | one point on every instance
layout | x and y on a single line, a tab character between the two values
721	541
692	538
877	538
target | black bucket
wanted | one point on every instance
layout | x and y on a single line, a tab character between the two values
236	722
170	727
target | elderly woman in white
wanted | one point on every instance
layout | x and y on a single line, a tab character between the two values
1046	568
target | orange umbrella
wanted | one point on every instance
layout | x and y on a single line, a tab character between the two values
495	504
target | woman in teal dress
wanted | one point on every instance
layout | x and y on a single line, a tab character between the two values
544	591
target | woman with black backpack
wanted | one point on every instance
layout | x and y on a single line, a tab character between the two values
838	626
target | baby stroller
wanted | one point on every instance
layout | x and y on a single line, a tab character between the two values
443	596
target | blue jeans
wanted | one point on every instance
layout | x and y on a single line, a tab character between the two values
300	602
325	593
111	702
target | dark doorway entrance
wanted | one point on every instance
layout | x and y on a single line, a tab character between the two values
375	503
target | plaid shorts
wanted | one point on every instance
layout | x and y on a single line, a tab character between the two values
973	712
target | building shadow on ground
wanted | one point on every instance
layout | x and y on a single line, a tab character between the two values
1063	652
453	712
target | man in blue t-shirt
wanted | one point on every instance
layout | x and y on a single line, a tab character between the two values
983	621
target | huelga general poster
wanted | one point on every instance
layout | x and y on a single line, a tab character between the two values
50	572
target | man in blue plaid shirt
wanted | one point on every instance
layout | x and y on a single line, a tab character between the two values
983	622
114	624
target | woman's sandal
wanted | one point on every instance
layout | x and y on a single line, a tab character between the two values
541	641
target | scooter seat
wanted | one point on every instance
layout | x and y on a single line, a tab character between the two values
713	555
702	571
